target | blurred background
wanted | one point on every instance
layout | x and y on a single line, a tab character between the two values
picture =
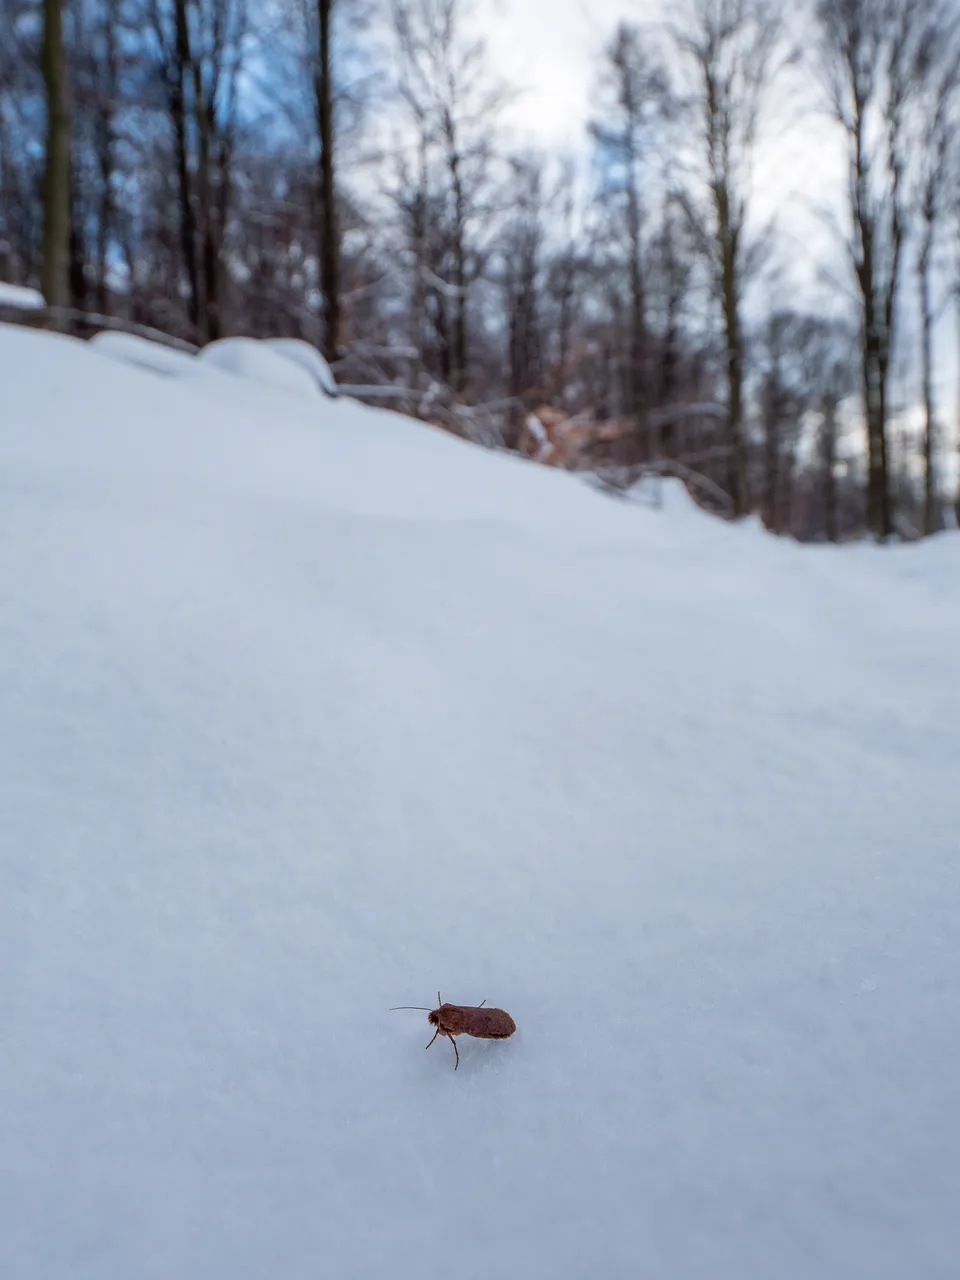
718	239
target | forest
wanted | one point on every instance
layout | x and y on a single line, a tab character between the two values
344	172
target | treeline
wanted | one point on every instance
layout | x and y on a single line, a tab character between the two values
339	171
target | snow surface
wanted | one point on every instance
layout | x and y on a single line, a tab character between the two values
297	725
144	354
248	358
18	295
308	358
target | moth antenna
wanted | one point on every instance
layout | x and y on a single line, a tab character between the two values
422	1007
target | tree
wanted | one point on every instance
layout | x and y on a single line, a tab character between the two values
807	370
453	103
200	56
672	265
57	222
329	221
635	101
956	300
736	50
563	275
935	72
781	414
829	352
522	276
104	47
867	54
22	146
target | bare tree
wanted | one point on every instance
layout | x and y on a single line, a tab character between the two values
563	275
779	411
453	101
867	54
672	261
956	299
106	145
807	370
201	48
522	276
329	221
104	38
56	184
635	102
829	352
736	50
21	147
935	71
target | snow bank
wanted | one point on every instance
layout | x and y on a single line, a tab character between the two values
144	354
285	364
308	358
299	725
16	295
262	363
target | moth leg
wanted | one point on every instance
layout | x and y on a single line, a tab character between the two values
435	1034
456	1051
482	1003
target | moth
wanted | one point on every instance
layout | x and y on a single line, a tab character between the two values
465	1020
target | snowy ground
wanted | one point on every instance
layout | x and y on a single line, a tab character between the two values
15	295
306	711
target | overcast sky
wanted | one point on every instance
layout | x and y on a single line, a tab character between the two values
550	49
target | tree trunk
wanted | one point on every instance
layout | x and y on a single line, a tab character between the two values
637	381
880	497
105	160
418	296
737	468
958	408
929	424
564	333
57	219
188	221
460	331
78	256
771	451
830	469
208	200
329	228
875	397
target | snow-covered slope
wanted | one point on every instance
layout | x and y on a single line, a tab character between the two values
16	295
306	711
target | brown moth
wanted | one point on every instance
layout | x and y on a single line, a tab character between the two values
465	1020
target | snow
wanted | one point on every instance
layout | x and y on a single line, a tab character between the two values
307	357
144	354
17	295
297	725
277	363
536	429
268	365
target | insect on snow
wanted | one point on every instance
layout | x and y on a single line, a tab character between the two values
465	1020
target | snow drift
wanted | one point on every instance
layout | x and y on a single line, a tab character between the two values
307	710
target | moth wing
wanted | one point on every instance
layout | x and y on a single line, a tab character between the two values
489	1024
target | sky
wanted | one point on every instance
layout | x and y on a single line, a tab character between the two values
552	50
